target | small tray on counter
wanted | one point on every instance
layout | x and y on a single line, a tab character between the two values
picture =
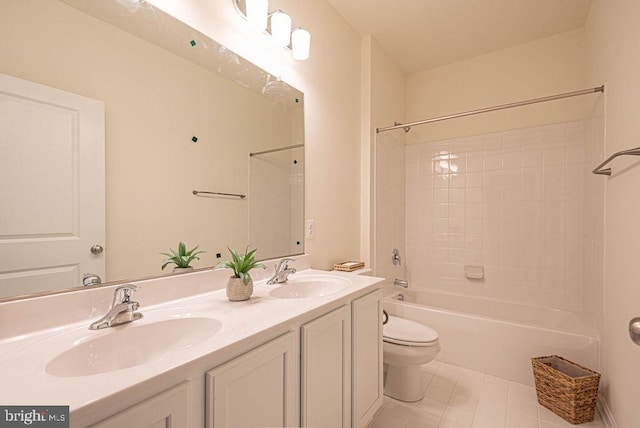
348	266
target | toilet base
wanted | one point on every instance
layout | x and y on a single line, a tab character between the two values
403	383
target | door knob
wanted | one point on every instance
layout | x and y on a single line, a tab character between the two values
634	330
97	249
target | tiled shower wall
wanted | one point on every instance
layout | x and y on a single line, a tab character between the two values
276	201
593	203
389	204
512	202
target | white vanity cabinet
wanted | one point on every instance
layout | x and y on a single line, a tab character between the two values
366	352
280	363
341	365
258	388
326	370
166	409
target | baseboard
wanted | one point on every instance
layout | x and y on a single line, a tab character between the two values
605	413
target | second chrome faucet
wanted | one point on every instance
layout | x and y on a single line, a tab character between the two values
282	272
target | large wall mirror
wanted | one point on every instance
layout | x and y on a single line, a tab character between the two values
112	114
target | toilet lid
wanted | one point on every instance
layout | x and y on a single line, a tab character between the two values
406	332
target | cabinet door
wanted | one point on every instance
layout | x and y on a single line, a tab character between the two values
366	314
256	389
167	409
326	370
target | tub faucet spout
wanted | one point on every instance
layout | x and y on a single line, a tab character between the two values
401	282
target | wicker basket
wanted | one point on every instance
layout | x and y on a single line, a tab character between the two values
567	389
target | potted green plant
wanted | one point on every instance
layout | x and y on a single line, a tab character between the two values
182	258
240	284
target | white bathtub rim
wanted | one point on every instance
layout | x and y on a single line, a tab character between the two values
516	342
395	290
591	334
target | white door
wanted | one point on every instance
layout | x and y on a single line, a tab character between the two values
51	187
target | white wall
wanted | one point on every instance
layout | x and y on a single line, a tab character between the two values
330	80
612	34
387	83
593	211
276	187
536	69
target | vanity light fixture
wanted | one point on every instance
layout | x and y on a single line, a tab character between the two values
300	43
257	14
277	24
281	28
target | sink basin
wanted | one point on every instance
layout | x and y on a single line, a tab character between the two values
312	286
130	345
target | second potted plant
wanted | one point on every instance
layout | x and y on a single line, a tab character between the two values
240	285
182	258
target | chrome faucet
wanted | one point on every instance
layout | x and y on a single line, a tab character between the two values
282	272
122	309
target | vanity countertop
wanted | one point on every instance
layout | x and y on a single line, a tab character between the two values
24	357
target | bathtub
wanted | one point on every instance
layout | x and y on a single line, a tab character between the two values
498	337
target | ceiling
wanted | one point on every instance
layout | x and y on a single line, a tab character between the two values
423	34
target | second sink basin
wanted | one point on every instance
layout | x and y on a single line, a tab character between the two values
310	286
130	345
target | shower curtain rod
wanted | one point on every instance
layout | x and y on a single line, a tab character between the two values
407	126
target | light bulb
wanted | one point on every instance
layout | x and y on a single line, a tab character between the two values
257	14
300	44
281	28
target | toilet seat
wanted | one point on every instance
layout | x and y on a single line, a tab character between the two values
408	333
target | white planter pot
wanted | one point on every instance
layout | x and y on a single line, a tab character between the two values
238	290
182	270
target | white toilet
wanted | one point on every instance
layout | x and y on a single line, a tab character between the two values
406	346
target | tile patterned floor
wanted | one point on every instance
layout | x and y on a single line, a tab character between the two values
460	398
